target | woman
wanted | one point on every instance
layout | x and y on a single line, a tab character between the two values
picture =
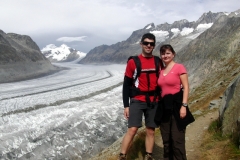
173	81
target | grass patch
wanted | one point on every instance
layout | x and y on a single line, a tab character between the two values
137	148
215	146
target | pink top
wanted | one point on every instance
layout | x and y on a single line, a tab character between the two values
171	83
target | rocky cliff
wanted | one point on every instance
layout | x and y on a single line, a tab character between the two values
20	58
229	112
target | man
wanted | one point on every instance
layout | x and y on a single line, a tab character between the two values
142	89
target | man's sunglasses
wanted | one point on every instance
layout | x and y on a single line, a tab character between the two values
147	43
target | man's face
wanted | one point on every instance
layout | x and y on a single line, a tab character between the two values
147	46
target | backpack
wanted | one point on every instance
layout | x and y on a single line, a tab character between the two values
136	91
139	68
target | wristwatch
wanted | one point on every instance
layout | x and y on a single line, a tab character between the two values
184	104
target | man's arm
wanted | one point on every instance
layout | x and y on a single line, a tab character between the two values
127	83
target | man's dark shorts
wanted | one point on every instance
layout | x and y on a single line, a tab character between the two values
136	111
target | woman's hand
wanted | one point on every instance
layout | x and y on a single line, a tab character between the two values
183	112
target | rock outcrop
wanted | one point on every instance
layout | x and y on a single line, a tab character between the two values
229	112
21	58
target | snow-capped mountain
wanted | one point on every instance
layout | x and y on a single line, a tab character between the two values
179	34
62	53
191	32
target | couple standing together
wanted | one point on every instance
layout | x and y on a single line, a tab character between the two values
161	97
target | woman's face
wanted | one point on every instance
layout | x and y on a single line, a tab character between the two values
167	56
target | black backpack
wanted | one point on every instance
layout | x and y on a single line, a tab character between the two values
136	91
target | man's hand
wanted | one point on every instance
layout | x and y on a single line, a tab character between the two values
126	112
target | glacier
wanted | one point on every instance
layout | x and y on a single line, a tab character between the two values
71	114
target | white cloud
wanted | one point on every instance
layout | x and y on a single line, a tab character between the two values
72	39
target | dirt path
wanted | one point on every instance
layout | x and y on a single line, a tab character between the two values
195	132
194	135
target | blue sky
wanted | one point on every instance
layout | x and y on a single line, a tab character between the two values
84	25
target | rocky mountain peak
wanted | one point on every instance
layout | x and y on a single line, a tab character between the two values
24	40
209	17
1	32
181	21
181	24
234	14
165	26
149	26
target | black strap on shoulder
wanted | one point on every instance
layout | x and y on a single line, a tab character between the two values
138	65
137	62
157	63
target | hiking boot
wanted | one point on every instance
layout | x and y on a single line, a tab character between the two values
148	157
122	157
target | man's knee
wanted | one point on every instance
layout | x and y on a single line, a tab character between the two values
150	131
132	131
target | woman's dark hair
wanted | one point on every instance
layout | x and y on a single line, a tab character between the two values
149	36
164	47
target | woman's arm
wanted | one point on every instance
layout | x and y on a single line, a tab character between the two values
184	81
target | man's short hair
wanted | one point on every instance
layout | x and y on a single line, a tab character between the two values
149	36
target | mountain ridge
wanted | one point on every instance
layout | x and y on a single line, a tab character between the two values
20	58
119	52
